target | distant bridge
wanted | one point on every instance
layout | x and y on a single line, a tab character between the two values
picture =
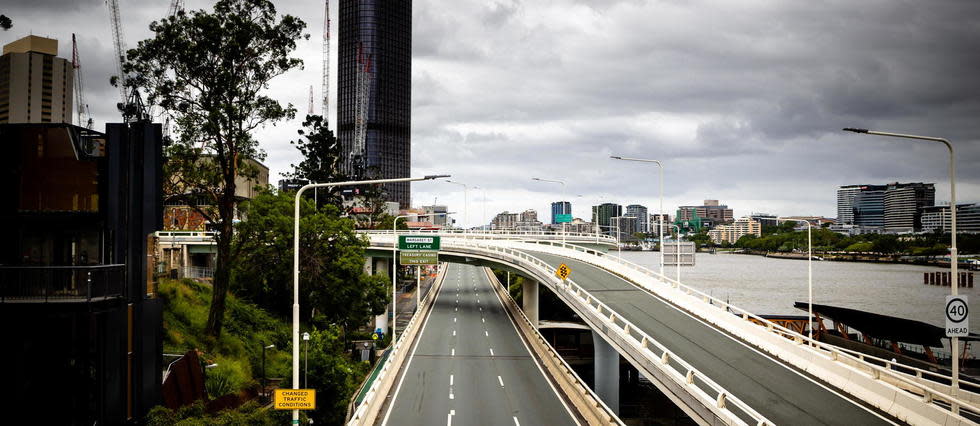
708	356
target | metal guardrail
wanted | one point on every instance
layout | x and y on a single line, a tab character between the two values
61	283
198	272
503	234
876	367
711	394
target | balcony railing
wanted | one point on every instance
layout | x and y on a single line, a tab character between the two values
43	284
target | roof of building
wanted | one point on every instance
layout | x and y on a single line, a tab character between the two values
885	327
32	43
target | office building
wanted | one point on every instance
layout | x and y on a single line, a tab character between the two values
623	227
640	213
560	207
903	203
602	214
83	328
738	229
869	208
434	217
377	35
710	212
36	86
845	202
938	218
765	219
655	224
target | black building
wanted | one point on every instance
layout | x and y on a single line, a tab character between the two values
379	32
81	328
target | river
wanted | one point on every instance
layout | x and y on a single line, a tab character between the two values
765	285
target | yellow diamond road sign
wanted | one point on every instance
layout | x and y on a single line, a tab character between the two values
563	271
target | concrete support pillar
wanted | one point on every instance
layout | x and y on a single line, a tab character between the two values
529	300
606	372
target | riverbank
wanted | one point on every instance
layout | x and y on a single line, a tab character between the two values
940	262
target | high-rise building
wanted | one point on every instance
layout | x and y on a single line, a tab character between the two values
623	227
738	229
869	208
434	214
560	207
640	213
765	219
377	34
602	213
845	203
902	204
504	220
35	84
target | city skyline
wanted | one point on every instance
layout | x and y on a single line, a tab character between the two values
506	91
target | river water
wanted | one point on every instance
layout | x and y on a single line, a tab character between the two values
765	285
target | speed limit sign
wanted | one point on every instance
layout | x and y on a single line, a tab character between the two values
957	313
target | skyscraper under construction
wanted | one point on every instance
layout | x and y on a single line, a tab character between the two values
375	60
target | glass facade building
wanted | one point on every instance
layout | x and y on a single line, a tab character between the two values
378	32
560	207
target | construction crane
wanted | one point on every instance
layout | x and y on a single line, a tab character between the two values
325	84
175	6
84	115
309	110
131	104
364	77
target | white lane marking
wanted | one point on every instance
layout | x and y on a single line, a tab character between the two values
491	351
453	353
454	332
411	357
500	380
516	423
450	380
486	333
456	309
536	363
484	320
481	308
454	319
449	419
451	396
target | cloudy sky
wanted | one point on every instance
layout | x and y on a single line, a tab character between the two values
743	101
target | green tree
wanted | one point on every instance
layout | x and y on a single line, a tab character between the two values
321	160
333	374
208	71
6	23
332	278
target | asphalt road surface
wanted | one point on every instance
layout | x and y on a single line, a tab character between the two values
470	367
782	394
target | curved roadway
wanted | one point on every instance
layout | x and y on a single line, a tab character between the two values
470	367
784	395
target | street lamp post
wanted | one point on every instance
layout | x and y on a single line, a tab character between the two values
953	254
678	252
563	200
306	368
265	390
809	274
466	215
299	194
661	218
483	217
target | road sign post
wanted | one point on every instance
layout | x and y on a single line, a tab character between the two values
957	313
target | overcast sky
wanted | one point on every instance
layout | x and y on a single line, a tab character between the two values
743	101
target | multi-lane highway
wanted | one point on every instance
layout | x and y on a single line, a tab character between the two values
782	394
470	367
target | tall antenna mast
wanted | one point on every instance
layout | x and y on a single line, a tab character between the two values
309	111
325	85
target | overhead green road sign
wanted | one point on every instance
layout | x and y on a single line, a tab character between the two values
418	257
418	242
563	218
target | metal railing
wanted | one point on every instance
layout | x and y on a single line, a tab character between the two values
727	406
505	234
198	272
61	283
875	367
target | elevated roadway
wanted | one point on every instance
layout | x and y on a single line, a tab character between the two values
717	366
469	366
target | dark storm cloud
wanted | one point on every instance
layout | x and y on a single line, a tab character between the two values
743	101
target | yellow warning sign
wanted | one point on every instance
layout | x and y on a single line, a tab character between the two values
294	399
563	271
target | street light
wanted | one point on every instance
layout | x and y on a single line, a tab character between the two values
483	217
466	216
678	253
661	219
299	194
563	201
306	370
953	255
265	390
394	268
809	274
